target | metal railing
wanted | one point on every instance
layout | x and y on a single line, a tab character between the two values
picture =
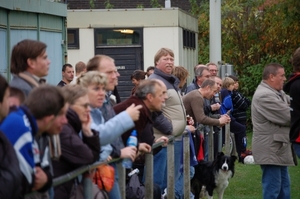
87	182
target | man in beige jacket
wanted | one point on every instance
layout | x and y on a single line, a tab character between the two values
271	124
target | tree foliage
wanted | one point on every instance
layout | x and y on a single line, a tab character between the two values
254	33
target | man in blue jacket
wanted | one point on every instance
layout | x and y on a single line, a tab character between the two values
43	111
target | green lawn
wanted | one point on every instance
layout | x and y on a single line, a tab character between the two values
246	183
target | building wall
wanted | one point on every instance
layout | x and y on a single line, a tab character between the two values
161	28
38	20
99	4
86	51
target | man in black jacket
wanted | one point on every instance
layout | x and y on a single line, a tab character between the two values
293	88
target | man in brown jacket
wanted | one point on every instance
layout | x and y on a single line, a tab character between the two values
271	124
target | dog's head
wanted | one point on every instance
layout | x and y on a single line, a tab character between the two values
225	163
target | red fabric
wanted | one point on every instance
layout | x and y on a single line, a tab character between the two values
298	138
200	155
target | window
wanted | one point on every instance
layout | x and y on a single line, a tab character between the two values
73	38
118	37
189	40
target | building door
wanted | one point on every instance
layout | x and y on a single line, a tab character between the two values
125	47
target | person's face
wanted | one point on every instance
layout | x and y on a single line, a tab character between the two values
4	105
82	108
165	64
211	91
157	100
96	93
230	87
68	74
278	79
59	121
205	75
40	65
108	67
182	82
135	82
213	69
219	83
236	85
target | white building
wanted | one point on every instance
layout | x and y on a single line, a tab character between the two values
132	37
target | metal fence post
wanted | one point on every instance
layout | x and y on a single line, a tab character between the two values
149	175
122	179
87	187
211	144
186	165
170	167
227	139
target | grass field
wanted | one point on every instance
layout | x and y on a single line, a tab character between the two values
246	183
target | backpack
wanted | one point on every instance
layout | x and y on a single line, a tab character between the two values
78	193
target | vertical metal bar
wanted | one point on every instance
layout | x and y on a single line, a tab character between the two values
87	188
170	166
149	175
186	166
220	138
211	144
8	47
227	139
122	179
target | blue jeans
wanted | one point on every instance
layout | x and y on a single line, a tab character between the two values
160	168
115	192
178	177
297	149
179	184
275	182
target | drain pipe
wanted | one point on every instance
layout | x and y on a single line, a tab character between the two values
167	3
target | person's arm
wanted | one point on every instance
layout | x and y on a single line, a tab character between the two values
121	123
79	151
240	102
42	180
162	123
278	110
200	117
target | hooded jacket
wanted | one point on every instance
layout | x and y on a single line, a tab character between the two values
76	152
293	88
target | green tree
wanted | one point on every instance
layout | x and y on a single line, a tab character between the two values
254	33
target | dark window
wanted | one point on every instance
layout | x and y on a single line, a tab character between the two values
189	40
118	37
73	38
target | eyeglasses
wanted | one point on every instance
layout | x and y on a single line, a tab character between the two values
86	105
212	70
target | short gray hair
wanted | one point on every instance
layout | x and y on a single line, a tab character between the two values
145	87
269	69
208	82
199	71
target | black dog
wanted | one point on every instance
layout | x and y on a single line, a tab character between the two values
214	175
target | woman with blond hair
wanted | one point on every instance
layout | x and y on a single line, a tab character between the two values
110	131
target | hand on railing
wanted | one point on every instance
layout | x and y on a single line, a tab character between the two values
163	139
190	128
144	148
224	119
